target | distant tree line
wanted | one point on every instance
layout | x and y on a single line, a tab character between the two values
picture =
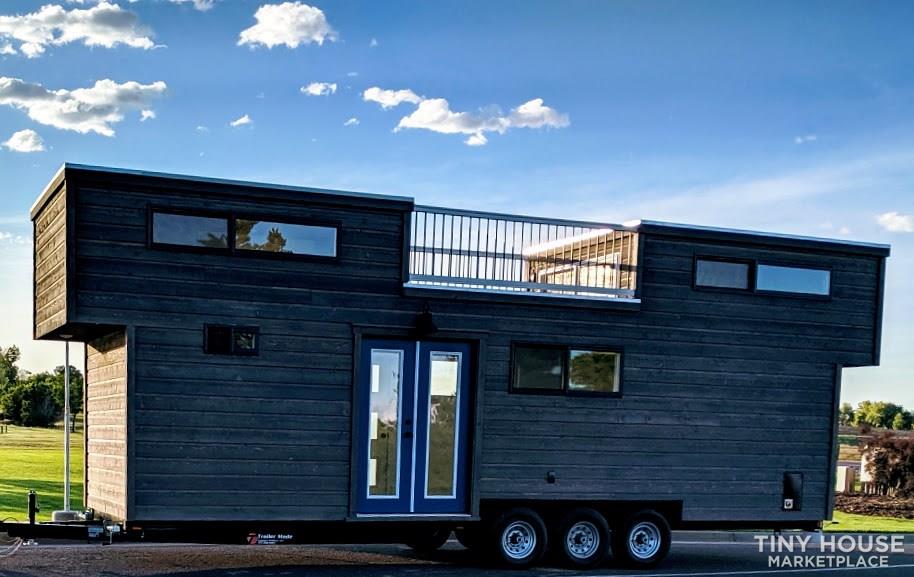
876	414
891	463
35	399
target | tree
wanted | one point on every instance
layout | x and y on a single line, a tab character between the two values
846	414
891	463
9	372
902	421
76	388
29	404
877	413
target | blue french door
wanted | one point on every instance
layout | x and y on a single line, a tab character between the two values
412	432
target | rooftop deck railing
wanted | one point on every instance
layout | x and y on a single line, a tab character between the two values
479	251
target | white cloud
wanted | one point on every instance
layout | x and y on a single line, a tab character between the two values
803	139
533	114
352	122
319	89
147	115
241	121
104	24
25	141
81	110
201	5
478	139
895	222
290	24
352	74
435	114
373	43
7	49
8	239
201	128
390	98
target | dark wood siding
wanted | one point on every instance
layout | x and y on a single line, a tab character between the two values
721	392
106	425
232	437
50	290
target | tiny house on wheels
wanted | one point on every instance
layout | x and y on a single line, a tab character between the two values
320	364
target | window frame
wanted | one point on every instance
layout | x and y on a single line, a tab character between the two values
753	277
178	211
802	295
566	375
231	249
232	328
750	274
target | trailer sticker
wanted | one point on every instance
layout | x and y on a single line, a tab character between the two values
270	538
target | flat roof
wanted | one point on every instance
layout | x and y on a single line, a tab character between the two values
647	226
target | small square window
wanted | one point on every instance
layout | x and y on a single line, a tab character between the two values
538	368
722	274
227	340
245	341
218	340
593	371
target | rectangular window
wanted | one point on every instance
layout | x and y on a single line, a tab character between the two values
190	230
228	340
722	274
593	371
286	238
543	368
796	280
539	368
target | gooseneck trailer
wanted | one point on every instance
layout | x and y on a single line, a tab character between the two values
322	365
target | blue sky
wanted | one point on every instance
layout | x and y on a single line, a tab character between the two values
788	117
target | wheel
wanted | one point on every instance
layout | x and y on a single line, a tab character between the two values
430	540
468	537
518	538
643	539
583	538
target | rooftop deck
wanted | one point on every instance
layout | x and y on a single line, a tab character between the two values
481	251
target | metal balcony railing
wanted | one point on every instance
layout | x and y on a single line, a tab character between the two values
479	251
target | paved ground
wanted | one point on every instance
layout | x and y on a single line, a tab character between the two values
695	555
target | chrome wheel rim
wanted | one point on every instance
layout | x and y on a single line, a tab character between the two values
582	540
644	540
518	540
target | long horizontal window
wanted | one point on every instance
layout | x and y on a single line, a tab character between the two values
551	369
189	230
795	280
284	237
722	274
242	234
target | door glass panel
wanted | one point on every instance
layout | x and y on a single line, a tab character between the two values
384	423
444	385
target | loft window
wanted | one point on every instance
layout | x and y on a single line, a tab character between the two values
712	273
551	369
284	237
189	230
229	340
794	280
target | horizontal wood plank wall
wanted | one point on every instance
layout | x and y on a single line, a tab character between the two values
722	392
50	274
106	426
231	437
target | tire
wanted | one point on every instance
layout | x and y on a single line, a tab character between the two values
583	538
429	541
643	540
517	538
469	537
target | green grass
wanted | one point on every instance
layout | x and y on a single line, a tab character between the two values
32	458
850	523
